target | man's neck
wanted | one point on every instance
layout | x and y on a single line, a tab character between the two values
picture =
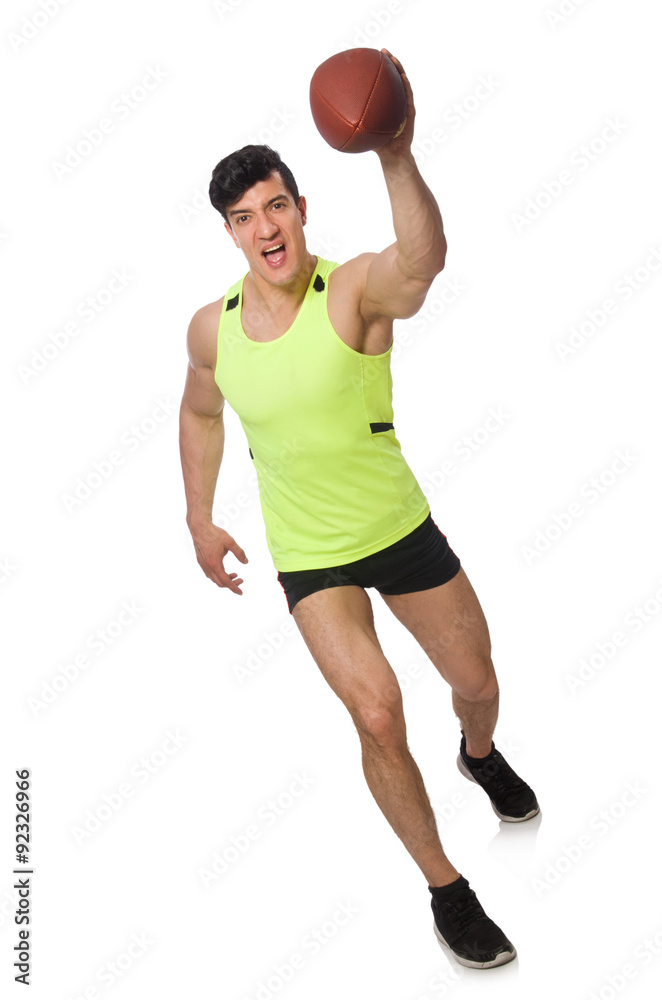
280	298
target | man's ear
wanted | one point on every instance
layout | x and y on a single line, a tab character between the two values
232	235
302	210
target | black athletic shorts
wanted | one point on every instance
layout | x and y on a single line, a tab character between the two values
420	560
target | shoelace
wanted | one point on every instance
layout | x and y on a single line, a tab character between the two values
500	775
464	910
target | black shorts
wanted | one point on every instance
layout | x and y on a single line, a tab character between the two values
420	560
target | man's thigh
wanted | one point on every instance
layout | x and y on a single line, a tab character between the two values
337	625
450	626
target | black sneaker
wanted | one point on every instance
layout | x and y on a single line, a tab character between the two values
462	926
512	799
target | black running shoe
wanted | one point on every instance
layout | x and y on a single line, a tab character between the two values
512	799
462	926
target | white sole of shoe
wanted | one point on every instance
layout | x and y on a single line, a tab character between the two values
505	956
507	819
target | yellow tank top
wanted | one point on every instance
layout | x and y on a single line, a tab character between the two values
318	416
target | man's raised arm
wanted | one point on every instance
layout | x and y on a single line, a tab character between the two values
201	441
398	279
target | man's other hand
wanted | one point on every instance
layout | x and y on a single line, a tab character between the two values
212	544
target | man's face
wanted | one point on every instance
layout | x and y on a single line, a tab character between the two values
266	217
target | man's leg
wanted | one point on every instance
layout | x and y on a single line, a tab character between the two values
449	624
337	625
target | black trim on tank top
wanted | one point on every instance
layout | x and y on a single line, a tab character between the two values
250	452
232	303
376	428
318	283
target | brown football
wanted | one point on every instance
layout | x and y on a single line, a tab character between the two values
358	100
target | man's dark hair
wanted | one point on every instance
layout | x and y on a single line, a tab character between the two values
239	171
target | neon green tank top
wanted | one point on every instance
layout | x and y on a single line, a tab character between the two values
318	416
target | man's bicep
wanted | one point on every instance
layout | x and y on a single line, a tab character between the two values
388	290
201	391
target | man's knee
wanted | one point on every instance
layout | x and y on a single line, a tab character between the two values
479	684
382	723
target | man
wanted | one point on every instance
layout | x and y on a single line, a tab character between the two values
300	347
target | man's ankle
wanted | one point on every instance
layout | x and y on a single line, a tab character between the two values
444	878
478	750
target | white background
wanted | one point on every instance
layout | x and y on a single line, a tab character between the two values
488	337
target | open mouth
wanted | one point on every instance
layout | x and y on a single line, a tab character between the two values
275	254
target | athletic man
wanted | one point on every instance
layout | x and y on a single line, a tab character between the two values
300	347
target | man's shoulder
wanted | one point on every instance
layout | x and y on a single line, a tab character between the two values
202	333
356	267
349	278
348	286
